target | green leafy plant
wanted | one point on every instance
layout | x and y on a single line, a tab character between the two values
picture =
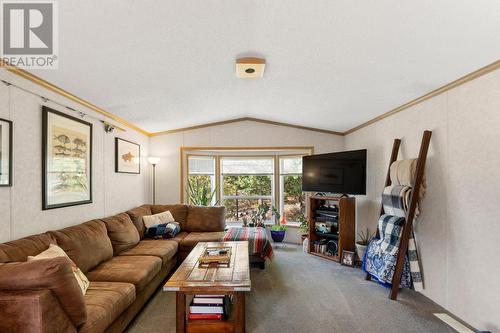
365	237
245	220
278	227
304	224
199	194
259	216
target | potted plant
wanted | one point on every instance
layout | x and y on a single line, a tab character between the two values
259	216
363	239
278	230
303	227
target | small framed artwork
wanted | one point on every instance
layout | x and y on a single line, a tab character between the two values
67	160
347	258
127	156
5	152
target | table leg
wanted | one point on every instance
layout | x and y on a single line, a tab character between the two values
180	323
240	313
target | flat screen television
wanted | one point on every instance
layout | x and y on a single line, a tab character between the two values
343	172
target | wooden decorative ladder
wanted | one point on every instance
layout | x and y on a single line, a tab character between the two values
410	215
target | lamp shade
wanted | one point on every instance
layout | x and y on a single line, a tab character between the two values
153	160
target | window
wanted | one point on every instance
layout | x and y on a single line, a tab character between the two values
243	179
292	199
247	182
201	189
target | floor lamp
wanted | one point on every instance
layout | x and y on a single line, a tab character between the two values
154	161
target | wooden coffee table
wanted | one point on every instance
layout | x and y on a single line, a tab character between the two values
189	279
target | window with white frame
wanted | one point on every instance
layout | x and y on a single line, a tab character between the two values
201	188
292	199
241	181
246	182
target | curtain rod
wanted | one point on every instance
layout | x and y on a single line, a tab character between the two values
46	100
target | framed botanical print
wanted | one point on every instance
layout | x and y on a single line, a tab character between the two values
127	156
5	152
67	160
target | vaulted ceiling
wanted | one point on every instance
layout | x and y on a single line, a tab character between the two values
331	64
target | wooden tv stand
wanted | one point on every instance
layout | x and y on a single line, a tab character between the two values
344	235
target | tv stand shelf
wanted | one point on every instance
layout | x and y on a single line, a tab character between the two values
343	234
329	235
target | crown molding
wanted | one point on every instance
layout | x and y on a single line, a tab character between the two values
464	79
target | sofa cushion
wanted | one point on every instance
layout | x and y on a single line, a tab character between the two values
138	270
179	212
163	249
53	274
105	301
136	215
190	241
122	232
180	236
87	244
19	250
202	219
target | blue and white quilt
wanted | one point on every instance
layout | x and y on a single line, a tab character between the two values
382	253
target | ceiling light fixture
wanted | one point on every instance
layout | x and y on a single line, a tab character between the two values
250	68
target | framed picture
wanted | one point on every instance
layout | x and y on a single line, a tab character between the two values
5	152
67	160
127	156
347	258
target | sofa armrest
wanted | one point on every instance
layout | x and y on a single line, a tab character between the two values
54	275
33	311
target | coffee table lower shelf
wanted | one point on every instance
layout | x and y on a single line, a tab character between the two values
209	326
234	324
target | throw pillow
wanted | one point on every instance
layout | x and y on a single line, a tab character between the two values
55	251
161	218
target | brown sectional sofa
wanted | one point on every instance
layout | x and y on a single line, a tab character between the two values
123	267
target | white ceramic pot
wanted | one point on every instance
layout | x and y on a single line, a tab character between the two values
361	250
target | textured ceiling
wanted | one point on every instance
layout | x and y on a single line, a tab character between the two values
330	64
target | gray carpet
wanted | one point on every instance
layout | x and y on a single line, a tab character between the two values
303	293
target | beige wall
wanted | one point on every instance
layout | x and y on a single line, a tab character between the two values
458	230
20	205
241	134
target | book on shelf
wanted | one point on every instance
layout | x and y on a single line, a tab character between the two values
206	308
216	304
205	316
208	300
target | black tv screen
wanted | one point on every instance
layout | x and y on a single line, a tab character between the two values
343	172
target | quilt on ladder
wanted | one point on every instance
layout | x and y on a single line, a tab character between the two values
396	200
